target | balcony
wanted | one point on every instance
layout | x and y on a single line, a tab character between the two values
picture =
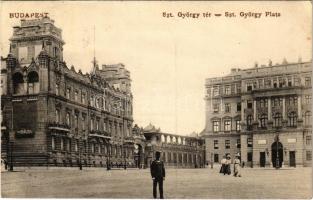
59	127
129	140
99	134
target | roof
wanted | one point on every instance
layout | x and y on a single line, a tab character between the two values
151	128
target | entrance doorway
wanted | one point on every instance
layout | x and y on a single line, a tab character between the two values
138	155
277	154
292	158
216	160
262	159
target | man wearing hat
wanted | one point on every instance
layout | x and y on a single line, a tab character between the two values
158	174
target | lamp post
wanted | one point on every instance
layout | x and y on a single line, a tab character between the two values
11	156
124	158
80	154
211	160
277	154
108	158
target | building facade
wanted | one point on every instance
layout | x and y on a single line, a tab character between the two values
55	115
177	151
262	113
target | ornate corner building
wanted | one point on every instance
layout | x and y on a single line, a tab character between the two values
262	113
55	115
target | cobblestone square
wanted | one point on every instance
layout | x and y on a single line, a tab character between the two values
258	183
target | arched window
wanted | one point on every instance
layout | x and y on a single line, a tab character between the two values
162	138
168	139
179	140
292	119
263	120
33	82
18	83
277	120
307	118
174	139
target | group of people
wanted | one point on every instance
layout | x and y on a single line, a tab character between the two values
226	165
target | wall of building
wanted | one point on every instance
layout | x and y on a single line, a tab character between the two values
264	93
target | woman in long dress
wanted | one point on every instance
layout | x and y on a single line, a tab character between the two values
227	165
237	167
223	164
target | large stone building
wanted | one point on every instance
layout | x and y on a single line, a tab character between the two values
55	115
262	113
177	151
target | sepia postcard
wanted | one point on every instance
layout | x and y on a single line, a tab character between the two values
156	99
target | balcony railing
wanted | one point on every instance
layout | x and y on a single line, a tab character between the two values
59	126
129	139
98	133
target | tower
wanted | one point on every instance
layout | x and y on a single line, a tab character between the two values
33	36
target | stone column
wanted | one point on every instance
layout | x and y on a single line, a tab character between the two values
269	109
254	110
25	85
299	107
284	108
243	103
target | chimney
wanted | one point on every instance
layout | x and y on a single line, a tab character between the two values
233	70
300	59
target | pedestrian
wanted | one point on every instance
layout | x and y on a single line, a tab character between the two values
227	165
158	174
237	167
223	167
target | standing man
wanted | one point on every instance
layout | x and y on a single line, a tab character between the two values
158	174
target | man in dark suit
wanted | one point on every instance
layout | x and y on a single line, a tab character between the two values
158	174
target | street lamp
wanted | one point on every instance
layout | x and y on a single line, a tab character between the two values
124	158
80	154
11	156
108	158
277	154
211	160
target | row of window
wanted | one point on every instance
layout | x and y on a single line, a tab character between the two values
65	144
227	125
94	123
97	102
228	90
263	120
250	142
263	103
277	82
227	143
179	157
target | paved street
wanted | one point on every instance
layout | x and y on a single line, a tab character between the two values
134	183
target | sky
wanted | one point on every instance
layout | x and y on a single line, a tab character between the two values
170	58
